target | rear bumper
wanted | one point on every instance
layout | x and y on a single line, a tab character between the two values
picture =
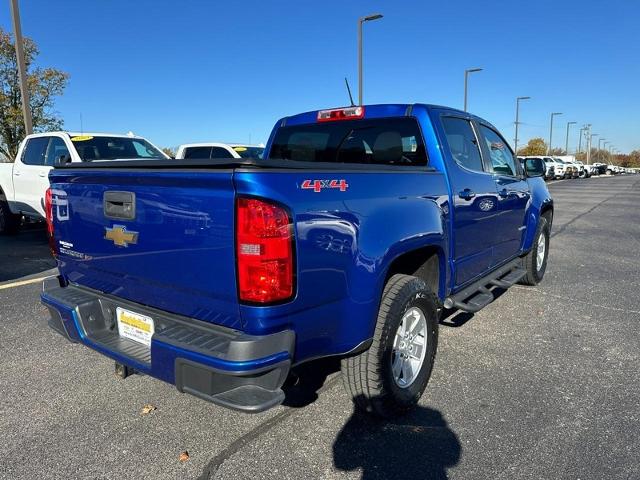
218	364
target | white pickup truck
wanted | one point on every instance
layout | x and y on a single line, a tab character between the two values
219	150
23	183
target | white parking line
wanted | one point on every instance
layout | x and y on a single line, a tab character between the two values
23	282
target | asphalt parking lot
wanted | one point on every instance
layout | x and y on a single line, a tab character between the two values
543	383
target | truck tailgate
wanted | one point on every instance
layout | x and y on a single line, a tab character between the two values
162	238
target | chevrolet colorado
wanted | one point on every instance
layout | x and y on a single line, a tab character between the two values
347	239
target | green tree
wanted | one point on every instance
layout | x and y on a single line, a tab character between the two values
169	151
535	146
44	85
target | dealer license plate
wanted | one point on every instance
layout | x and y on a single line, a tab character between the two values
134	326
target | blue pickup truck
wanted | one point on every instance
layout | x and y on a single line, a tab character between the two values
348	238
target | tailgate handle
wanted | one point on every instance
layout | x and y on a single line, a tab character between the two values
121	205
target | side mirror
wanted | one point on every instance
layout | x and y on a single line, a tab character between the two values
534	167
63	159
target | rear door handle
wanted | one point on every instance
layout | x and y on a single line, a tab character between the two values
16	173
467	194
42	174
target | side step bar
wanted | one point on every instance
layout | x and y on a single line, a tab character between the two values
478	295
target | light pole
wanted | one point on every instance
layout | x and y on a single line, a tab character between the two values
598	152
517	120
466	82
361	20
551	131
604	147
22	72
566	143
589	140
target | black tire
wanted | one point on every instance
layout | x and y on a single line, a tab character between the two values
534	274
9	222
368	377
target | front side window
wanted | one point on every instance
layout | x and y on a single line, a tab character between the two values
500	155
56	150
35	150
377	141
462	143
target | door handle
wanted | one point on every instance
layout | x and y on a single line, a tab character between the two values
16	173
42	174
467	194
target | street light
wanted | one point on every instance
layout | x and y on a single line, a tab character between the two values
551	131
566	143
589	140
583	129
466	75
361	20
517	119
22	70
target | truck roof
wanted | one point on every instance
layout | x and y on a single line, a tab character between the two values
219	144
376	111
88	134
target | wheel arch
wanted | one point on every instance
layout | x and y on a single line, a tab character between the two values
427	262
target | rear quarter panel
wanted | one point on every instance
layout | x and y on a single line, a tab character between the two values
345	242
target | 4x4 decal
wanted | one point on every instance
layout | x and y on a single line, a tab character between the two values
318	185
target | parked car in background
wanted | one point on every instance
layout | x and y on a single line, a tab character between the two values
584	171
549	173
219	150
347	239
23	183
601	167
562	170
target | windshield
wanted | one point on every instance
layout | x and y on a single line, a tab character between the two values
248	152
91	148
378	141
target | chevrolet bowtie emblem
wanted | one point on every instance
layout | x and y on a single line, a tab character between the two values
120	237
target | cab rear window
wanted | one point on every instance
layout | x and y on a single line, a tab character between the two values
379	141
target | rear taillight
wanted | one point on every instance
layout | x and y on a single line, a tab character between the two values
264	249
349	113
48	211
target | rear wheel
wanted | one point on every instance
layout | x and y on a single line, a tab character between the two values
9	222
389	378
535	262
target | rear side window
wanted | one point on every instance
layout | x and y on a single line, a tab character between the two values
35	150
462	143
502	160
197	152
219	152
378	141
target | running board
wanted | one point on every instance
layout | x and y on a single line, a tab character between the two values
478	295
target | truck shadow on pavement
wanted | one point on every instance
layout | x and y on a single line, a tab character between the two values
26	253
417	445
305	381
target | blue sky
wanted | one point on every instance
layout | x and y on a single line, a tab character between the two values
183	71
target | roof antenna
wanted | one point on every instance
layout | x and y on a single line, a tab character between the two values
346	82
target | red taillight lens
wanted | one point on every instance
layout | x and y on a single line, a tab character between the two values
264	248
350	113
48	211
